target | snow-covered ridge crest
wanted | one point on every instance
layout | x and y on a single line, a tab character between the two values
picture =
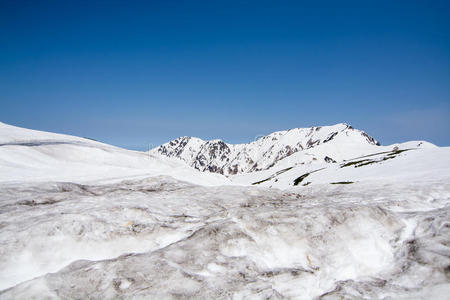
263	153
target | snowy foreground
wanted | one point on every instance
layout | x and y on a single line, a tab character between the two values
81	219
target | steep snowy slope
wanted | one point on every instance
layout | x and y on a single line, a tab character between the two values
220	157
33	155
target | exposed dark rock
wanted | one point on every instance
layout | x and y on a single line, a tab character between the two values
370	139
300	179
329	159
330	137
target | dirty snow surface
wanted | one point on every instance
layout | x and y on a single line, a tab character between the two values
153	236
162	238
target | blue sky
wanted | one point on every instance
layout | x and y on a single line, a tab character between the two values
131	73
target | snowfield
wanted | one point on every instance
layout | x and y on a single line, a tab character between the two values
81	219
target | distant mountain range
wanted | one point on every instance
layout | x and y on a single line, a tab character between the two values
230	159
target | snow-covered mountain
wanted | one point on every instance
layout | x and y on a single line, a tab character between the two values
228	159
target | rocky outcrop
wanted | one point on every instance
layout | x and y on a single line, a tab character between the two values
329	159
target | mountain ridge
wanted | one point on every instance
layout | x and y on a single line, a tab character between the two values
229	159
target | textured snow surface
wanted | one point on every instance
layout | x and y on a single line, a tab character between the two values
84	220
161	238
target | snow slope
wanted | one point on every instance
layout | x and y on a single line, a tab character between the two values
31	155
394	162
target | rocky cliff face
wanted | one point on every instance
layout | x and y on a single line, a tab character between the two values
228	159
